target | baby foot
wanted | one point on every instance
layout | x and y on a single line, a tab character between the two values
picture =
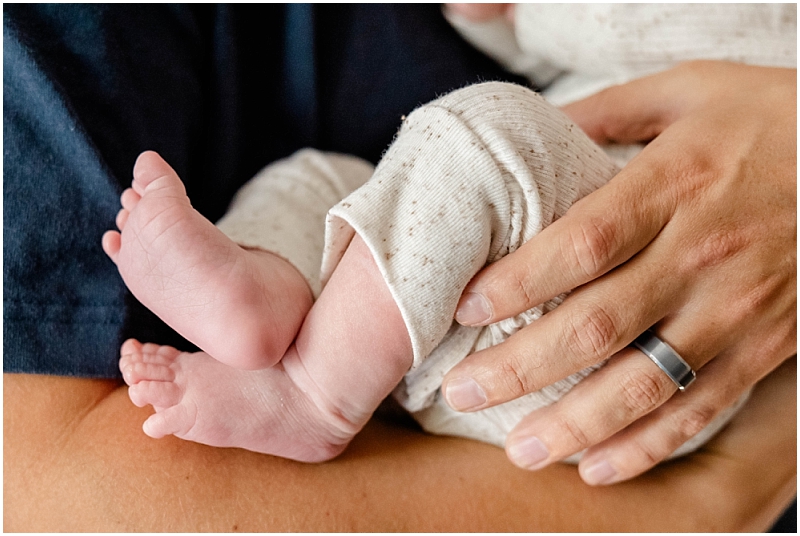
199	399
244	307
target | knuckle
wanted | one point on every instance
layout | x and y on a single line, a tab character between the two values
774	292
645	455
716	247
520	287
775	347
693	420
641	393
693	174
571	431
590	246
752	302
592	333
515	376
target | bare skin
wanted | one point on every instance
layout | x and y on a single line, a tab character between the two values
482	12
716	188
75	460
710	239
176	263
307	407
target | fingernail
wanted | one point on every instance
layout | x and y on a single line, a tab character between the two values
600	473
473	310
463	394
528	453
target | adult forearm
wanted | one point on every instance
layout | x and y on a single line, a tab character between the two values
75	459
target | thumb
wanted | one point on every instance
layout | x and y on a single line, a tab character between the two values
634	112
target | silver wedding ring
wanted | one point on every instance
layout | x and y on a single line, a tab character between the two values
666	358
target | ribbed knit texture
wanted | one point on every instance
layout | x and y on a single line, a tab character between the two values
478	172
283	208
469	179
575	50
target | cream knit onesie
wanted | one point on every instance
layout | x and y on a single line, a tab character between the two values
469	178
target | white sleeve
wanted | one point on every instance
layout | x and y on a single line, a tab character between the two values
468	179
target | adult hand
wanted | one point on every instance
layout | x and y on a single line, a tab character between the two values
696	237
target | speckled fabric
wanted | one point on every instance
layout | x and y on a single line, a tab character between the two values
469	178
473	175
575	50
282	209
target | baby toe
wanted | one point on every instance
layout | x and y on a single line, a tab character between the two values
130	346
137	353
155	353
149	168
136	371
111	243
150	348
129	199
122	218
168	352
174	420
155	393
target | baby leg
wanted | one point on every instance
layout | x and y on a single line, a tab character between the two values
283	208
242	306
351	351
454	190
293	409
469	179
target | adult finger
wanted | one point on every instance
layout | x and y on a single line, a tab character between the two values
586	243
643	420
568	426
604	316
659	434
593	323
591	239
630	387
